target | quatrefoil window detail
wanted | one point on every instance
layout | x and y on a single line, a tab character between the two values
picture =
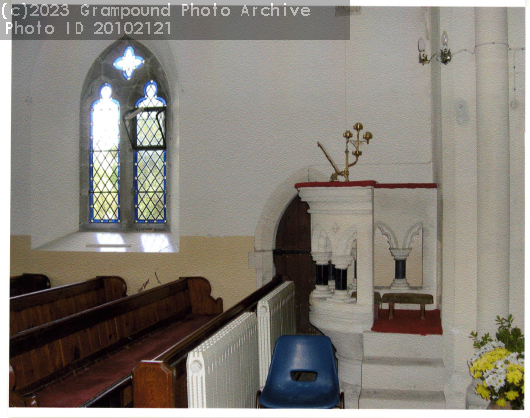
128	62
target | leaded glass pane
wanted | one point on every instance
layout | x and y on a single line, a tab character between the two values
148	131
151	99
150	186
151	207
105	171
105	207
128	62
151	171
150	165
104	158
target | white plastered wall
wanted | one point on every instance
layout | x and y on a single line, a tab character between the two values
249	115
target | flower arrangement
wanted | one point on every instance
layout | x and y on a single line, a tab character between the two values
499	364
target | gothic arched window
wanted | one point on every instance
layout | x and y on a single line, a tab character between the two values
124	133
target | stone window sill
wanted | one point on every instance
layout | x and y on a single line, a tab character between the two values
130	242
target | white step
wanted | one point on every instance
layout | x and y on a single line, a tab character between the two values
401	399
386	344
400	373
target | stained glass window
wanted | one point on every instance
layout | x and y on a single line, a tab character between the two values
128	62
150	162
105	158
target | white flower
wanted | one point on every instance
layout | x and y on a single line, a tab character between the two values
512	357
489	380
500	364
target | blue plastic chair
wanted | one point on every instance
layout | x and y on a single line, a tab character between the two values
302	374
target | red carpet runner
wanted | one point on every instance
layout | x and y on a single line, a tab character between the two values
409	322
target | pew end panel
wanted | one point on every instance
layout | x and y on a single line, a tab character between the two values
160	378
202	302
28	283
114	287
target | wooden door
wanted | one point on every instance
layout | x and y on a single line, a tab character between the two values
292	257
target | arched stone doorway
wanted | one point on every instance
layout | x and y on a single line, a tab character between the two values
272	220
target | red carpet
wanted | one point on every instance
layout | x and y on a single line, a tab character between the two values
409	322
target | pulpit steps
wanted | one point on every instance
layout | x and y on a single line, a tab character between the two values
402	371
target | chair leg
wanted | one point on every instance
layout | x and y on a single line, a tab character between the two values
390	310
258	394
341	401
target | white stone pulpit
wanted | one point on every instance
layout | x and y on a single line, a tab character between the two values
341	220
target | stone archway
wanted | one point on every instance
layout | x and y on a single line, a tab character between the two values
261	258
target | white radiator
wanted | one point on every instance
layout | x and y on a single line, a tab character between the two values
276	317
223	371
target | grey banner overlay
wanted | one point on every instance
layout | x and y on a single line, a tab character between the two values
270	21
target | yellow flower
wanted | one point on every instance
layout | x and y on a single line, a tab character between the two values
513	367
501	402
483	391
514	376
511	395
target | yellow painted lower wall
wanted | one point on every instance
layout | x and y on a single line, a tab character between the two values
221	260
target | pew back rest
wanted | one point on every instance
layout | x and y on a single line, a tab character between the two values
33	309
48	352
27	283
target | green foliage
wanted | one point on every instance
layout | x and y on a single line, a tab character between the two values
478	343
512	337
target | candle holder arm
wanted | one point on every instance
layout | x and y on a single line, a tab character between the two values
337	171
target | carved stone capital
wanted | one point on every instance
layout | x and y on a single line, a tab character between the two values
321	258
342	261
400	253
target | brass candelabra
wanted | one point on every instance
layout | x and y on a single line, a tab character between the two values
356	152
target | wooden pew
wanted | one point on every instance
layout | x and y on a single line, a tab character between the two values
76	360
37	308
161	381
27	283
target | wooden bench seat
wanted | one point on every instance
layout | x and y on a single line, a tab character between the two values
37	308
49	359
82	387
411	298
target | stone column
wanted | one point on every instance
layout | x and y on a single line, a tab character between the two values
493	151
400	277
341	263
323	267
331	277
